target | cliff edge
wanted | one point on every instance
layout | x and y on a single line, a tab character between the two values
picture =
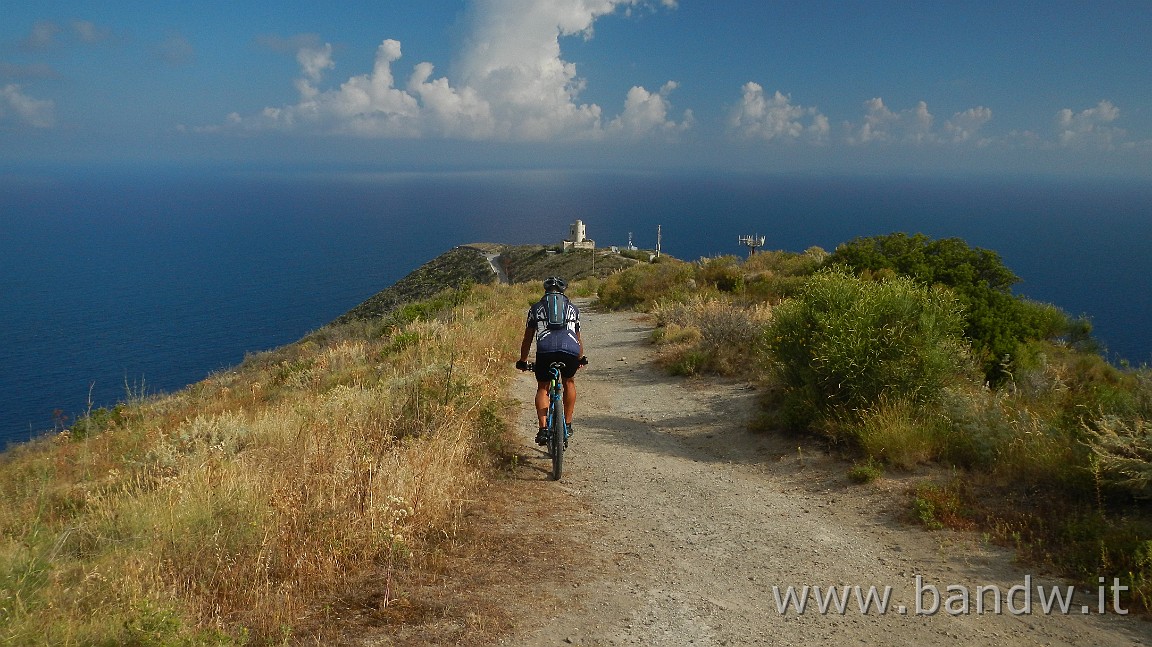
487	263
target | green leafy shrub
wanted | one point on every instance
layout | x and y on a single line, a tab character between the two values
845	342
776	275
642	255
97	421
641	285
724	273
997	322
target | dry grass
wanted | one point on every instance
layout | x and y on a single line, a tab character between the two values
898	433
229	512
710	334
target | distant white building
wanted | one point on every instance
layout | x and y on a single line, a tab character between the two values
577	238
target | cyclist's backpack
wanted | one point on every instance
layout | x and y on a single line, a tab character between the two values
556	310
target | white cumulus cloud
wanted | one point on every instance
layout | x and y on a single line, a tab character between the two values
963	126
511	83
1090	127
647	112
915	125
15	105
776	117
883	125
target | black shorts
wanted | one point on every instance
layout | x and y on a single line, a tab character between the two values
544	360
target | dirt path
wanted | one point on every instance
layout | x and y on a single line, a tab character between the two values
676	523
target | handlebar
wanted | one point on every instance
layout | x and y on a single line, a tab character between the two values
531	366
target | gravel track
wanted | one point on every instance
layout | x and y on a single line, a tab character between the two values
674	523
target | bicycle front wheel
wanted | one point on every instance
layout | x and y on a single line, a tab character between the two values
556	443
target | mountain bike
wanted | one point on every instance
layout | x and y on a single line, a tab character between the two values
558	431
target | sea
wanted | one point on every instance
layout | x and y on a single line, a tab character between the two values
122	283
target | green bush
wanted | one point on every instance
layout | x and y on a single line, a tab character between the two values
776	275
997	322
724	273
640	286
845	342
787	263
641	255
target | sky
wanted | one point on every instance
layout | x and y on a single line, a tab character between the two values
997	86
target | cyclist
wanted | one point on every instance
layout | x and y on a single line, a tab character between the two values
555	325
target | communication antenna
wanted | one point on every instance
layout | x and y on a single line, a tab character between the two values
752	242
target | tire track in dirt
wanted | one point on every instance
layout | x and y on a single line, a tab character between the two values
674	523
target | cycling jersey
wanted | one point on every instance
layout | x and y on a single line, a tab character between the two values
553	341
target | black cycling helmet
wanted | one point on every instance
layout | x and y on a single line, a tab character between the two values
555	284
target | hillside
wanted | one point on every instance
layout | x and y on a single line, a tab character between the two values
483	263
375	482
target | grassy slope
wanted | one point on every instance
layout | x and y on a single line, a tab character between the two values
236	510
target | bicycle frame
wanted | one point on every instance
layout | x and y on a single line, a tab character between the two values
555	396
555	423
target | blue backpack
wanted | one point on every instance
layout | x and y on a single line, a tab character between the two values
556	310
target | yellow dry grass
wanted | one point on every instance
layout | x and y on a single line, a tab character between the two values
230	512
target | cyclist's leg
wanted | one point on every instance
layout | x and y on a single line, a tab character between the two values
542	403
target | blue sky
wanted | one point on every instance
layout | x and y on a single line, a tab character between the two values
814	86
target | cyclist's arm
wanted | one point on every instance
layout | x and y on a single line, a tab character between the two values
526	344
581	342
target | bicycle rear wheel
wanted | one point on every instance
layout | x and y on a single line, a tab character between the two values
556	440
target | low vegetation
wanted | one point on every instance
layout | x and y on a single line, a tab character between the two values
237	510
904	352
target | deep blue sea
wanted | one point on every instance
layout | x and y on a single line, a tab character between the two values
137	282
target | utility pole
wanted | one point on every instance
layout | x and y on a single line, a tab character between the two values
657	241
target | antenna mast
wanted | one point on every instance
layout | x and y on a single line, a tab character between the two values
752	242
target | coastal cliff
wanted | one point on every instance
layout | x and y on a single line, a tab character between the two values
486	263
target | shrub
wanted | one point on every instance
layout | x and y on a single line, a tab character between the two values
713	335
724	273
866	472
640	286
787	263
775	275
844	342
996	321
939	506
1122	451
674	334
